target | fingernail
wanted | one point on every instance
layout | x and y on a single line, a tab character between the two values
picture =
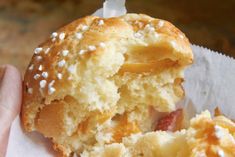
2	71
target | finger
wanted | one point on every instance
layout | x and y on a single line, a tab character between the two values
10	101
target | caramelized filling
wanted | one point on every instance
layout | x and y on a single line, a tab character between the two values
124	128
83	126
147	67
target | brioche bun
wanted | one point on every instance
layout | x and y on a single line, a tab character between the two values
94	81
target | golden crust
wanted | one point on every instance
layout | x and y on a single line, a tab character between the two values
91	50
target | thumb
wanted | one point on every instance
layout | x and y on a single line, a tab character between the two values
10	101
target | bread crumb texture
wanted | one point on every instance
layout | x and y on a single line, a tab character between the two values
90	87
205	137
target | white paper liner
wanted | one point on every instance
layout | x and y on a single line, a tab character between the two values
111	8
209	82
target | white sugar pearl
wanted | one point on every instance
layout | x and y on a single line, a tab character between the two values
65	52
59	76
37	50
51	83
62	36
160	23
54	35
138	35
40	68
147	26
61	63
101	22
151	29
36	76
85	27
181	36
91	48
30	90
81	52
45	74
221	153
31	67
173	43
78	36
72	68
43	83
51	90
53	39
47	50
102	44
38	58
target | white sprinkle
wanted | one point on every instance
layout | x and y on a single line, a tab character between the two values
173	43
62	36
72	68
102	44
61	63
221	153
85	27
218	132
78	35
59	76
51	83
101	22
39	58
70	78
149	28
43	83
54	35
81	52
30	90
47	50
65	52
181	36
91	48
40	68
160	23
36	76
53	39
138	35
31	67
37	50
51	90
45	74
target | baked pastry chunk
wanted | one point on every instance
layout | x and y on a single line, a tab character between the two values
205	137
96	81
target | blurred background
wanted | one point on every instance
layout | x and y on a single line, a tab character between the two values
24	24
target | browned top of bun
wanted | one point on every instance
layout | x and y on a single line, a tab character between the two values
93	47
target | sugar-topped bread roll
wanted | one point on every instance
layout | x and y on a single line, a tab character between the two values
96	81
